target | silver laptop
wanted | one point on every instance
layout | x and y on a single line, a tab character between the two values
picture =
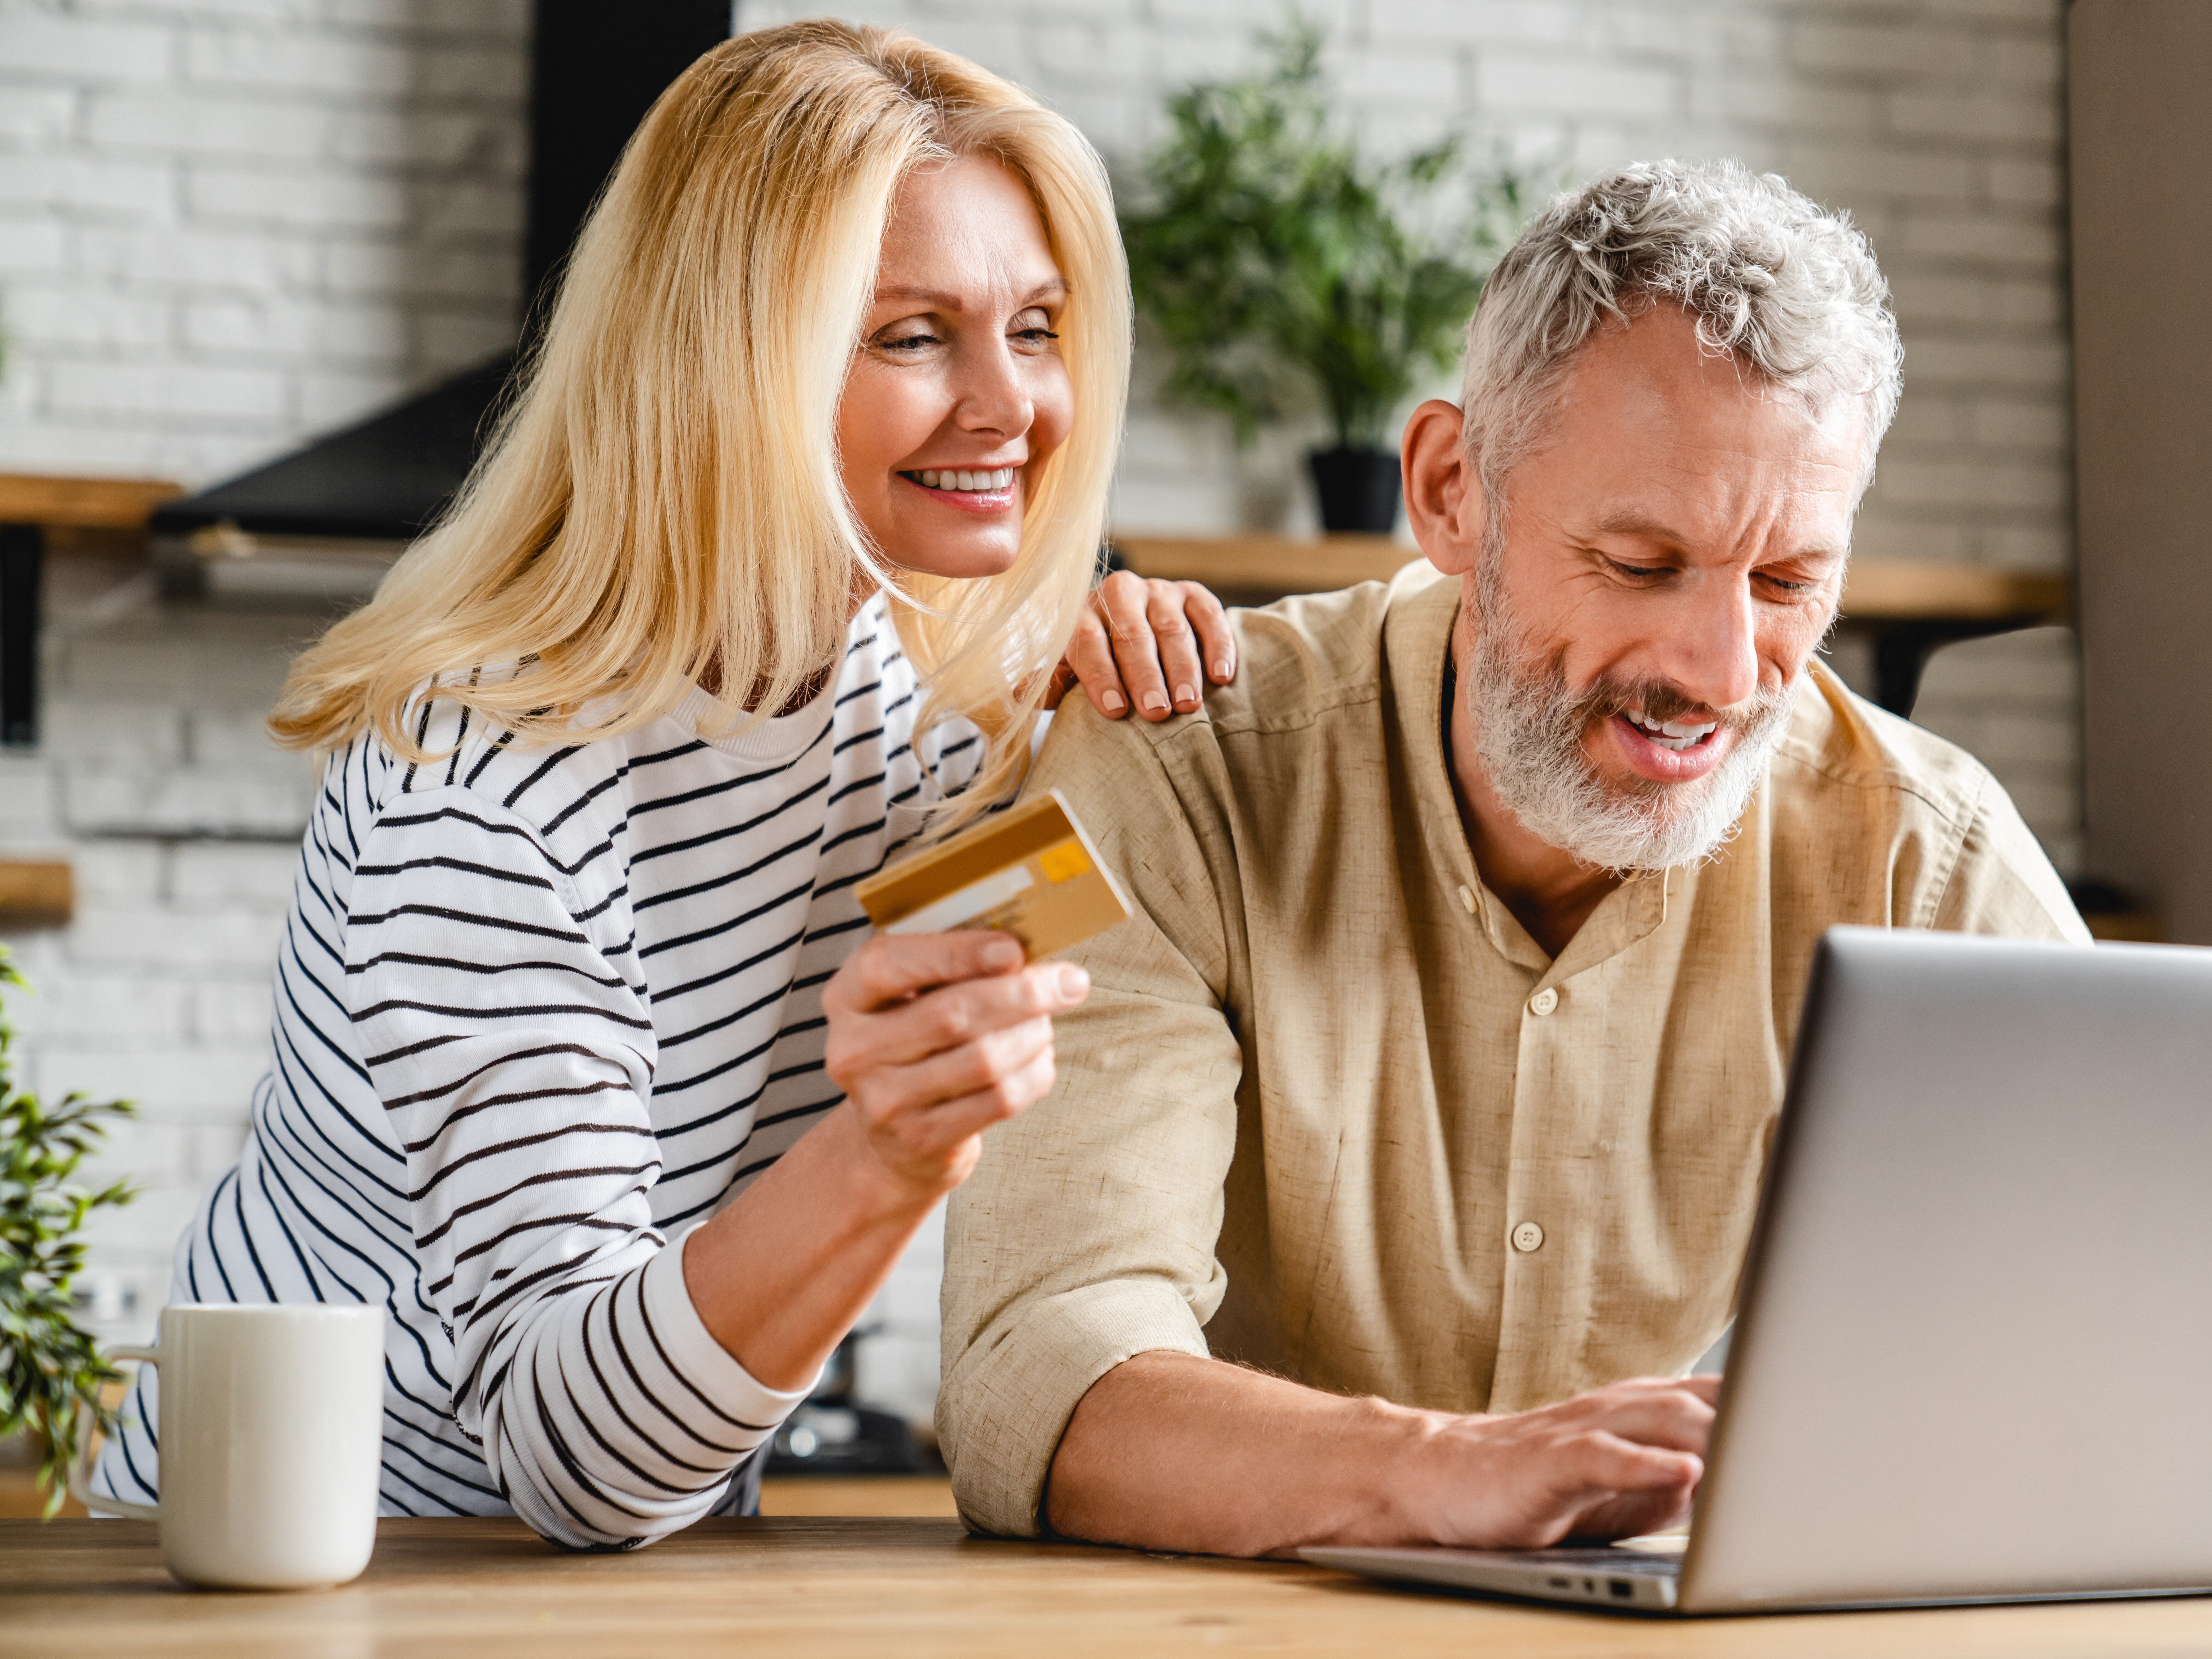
1974	1357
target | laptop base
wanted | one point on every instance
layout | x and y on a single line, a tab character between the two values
1641	1581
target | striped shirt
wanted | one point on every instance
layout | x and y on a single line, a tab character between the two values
539	1011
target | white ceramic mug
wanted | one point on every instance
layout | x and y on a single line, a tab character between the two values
271	1444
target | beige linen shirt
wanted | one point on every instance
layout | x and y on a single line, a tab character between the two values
1329	1110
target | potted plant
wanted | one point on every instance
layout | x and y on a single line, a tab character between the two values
1285	271
51	1374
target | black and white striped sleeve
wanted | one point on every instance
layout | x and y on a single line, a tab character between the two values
504	1027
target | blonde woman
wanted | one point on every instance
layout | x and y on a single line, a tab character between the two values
577	1067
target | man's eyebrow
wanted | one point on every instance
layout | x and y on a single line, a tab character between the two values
937	299
1635	523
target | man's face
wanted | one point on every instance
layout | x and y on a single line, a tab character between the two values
1672	554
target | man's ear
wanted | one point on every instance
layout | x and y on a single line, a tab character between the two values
1443	494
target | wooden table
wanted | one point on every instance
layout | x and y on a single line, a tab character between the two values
477	1589
30	506
1908	608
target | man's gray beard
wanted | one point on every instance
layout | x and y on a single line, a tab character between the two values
1529	728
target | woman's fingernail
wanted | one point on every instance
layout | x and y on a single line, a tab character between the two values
1156	702
1184	694
1000	954
1074	981
1114	702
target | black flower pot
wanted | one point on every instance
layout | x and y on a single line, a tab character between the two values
1359	490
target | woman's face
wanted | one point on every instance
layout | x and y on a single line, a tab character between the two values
957	391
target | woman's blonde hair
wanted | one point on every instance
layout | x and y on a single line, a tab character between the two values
662	499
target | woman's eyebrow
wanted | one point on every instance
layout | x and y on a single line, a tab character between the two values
936	299
1054	287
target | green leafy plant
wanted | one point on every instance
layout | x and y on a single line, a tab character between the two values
1282	268
51	1374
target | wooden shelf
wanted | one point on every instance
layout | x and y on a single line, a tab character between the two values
1877	590
1909	591
37	509
30	893
82	503
1272	564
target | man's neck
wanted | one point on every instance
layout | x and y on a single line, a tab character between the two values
1550	891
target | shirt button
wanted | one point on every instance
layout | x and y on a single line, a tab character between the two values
1467	900
1543	1002
1527	1237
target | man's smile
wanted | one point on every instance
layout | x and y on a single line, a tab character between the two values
1677	735
1668	752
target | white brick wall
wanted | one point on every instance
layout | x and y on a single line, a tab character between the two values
1936	123
227	224
182	824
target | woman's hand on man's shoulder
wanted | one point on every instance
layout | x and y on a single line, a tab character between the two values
1147	644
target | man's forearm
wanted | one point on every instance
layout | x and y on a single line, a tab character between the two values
1170	1451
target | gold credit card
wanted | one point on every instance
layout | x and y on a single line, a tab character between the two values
1031	871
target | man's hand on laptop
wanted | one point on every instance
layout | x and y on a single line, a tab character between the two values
1611	1463
1172	1451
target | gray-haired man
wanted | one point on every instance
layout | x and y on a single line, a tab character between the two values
1409	1140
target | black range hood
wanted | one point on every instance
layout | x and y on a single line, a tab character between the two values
596	67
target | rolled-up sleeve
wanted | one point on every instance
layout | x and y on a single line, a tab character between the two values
1087	1234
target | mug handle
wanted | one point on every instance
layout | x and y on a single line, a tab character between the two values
79	1475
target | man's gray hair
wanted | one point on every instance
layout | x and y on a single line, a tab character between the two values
1783	287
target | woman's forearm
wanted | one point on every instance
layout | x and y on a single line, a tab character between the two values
934	1037
781	1274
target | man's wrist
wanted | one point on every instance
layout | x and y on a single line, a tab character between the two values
1402	1506
1375	1485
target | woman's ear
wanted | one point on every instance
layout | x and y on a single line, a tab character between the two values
1443	494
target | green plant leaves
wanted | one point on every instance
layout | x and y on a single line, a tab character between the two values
1282	270
49	1368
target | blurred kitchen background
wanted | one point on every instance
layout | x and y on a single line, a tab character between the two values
229	225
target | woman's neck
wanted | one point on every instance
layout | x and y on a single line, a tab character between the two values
710	677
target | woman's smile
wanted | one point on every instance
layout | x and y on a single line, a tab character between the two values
970	489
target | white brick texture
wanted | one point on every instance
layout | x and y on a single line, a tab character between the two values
181	824
225	225
1935	122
